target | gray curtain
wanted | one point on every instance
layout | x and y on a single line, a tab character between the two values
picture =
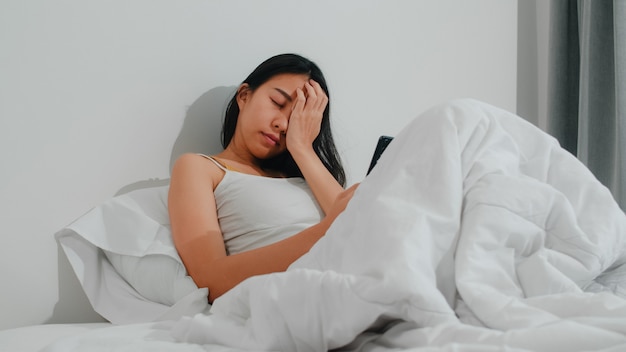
587	86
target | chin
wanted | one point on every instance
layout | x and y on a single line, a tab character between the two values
265	155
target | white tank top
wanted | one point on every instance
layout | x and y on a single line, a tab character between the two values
254	211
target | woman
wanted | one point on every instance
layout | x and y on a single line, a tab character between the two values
265	200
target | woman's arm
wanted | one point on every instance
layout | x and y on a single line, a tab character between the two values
198	238
304	126
323	185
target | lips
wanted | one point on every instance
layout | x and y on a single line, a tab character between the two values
272	139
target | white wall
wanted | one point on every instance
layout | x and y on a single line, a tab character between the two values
533	55
99	97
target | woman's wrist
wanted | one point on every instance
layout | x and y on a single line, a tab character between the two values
302	153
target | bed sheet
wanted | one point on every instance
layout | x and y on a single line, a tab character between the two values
34	338
134	338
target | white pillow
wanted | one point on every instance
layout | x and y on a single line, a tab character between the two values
157	277
124	257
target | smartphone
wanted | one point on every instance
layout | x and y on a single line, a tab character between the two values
381	145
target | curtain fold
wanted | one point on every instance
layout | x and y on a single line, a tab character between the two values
587	79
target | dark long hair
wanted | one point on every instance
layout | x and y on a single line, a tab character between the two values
323	144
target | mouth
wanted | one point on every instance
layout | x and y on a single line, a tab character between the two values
271	139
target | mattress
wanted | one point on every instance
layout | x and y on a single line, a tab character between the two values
34	338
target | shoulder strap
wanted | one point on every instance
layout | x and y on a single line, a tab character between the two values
225	168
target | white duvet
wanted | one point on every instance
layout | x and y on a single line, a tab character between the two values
475	232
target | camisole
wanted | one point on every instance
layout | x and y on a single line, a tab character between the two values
254	211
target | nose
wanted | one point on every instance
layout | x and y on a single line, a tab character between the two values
280	123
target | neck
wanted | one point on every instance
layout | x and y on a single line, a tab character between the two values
245	162
239	155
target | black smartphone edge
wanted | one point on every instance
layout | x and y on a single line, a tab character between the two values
381	145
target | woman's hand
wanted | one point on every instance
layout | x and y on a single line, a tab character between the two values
306	117
341	202
304	126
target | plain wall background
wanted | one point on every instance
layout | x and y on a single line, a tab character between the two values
99	97
532	65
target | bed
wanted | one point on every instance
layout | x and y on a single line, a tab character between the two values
483	236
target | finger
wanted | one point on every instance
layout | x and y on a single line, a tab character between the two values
353	187
311	95
345	196
322	98
317	87
348	192
298	106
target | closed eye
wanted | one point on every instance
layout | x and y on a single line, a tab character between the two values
280	105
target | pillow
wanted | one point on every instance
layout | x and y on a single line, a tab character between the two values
124	257
157	277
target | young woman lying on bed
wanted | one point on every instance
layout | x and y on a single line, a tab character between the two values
265	200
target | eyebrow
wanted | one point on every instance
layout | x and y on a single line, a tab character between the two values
283	93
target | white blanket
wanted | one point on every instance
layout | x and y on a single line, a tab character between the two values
475	231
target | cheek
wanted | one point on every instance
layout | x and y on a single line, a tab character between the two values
252	108
245	122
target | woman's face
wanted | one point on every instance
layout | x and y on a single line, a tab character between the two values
264	114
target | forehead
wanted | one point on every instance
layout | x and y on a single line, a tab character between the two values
288	82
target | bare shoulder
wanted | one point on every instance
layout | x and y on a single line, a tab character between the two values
191	166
